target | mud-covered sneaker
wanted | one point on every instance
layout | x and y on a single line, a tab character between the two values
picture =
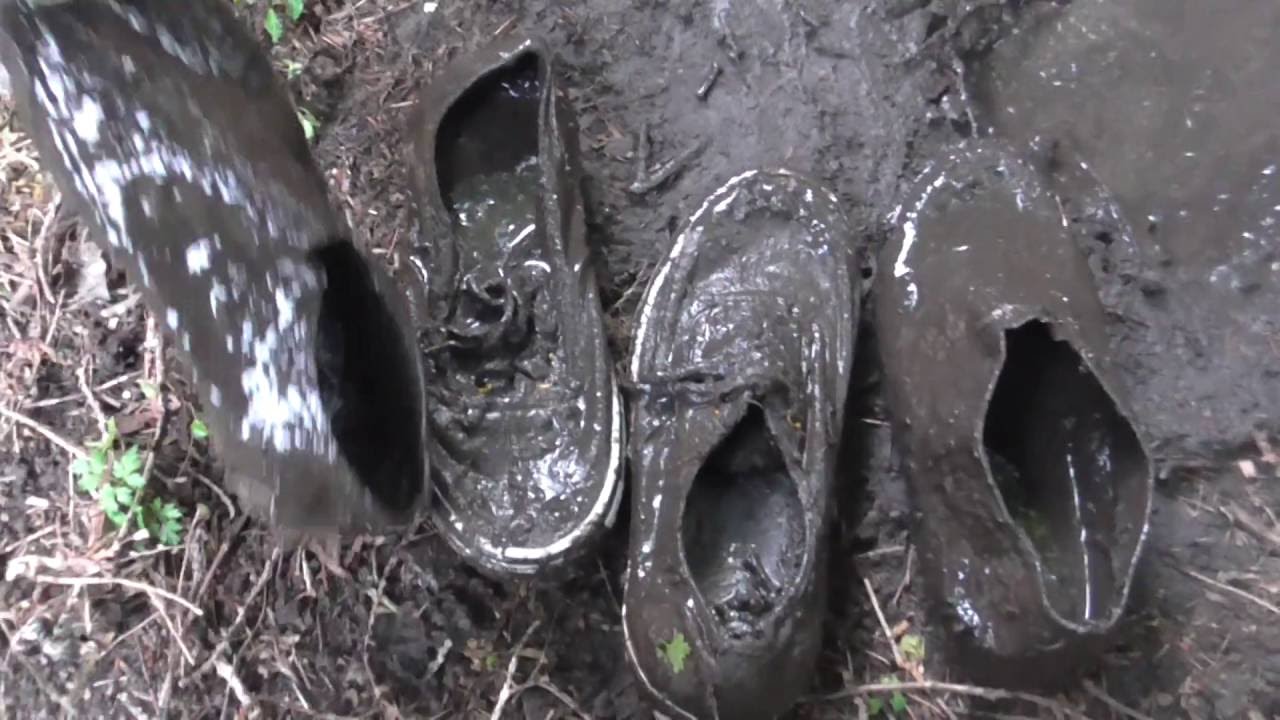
526	418
742	357
1031	486
165	125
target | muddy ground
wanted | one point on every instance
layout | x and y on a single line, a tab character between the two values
673	98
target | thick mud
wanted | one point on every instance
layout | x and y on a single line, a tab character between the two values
1155	121
673	99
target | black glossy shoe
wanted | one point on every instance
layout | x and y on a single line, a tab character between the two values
1032	488
743	351
526	420
300	346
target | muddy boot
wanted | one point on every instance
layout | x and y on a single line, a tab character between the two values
1031	486
743	350
526	419
166	126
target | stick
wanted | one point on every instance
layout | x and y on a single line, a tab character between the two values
509	685
1234	591
957	689
884	625
133	584
53	437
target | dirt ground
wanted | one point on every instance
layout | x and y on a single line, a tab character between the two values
674	97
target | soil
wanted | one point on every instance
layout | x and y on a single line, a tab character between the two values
674	97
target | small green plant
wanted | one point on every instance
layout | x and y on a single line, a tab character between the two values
309	123
199	430
675	651
272	20
114	478
897	701
912	648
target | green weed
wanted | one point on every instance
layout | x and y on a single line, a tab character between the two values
114	478
897	701
309	123
277	11
675	651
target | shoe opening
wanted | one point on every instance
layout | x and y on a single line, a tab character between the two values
487	150
744	529
1070	470
368	385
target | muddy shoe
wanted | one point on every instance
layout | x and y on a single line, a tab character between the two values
526	419
300	347
1031	486
740	373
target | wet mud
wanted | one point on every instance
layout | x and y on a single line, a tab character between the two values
526	417
1154	122
739	381
1031	488
672	100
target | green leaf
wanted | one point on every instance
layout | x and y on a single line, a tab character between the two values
675	651
128	467
875	706
82	467
170	534
89	482
98	462
149	390
124	495
295	9
199	430
273	26
898	702
308	122
912	647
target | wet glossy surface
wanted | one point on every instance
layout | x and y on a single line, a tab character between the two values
1030	488
224	225
739	376
1060	452
1157	121
525	415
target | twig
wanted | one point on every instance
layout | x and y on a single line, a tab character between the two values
881	552
1111	702
884	625
563	697
957	689
713	73
173	630
236	527
1233	590
1251	525
132	584
224	644
86	388
509	685
228	673
648	180
906	576
44	430
222	494
373	616
158	367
